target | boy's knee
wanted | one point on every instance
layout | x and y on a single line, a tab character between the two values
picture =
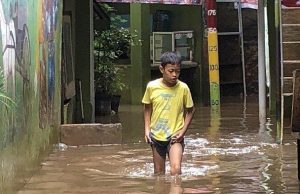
175	169
159	171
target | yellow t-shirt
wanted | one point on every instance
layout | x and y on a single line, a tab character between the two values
168	105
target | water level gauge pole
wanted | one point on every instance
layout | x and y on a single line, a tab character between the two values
213	54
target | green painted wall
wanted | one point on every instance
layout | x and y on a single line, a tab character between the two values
84	57
140	55
30	74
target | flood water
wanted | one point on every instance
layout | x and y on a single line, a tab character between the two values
232	154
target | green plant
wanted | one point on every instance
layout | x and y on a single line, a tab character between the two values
109	46
105	74
108	79
117	85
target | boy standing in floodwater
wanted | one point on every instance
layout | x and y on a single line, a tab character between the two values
168	111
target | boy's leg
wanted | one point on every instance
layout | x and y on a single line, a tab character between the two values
159	162
175	156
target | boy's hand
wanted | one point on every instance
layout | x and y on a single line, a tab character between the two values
178	137
147	136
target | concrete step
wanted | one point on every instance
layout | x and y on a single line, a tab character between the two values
291	16
291	50
289	66
291	32
91	134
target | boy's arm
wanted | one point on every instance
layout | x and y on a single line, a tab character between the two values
147	116
188	118
189	113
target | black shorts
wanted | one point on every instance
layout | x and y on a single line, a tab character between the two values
163	147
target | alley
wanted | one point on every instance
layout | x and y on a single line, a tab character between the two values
227	155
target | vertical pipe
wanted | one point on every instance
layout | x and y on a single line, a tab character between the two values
213	54
240	16
261	62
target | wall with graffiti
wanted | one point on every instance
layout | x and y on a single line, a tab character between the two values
30	45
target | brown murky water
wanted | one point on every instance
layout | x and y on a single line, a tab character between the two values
232	154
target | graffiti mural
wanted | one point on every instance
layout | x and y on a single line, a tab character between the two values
8	37
30	59
15	55
30	45
47	60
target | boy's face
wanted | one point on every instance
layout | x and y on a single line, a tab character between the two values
170	73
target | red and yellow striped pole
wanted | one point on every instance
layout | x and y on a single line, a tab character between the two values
213	54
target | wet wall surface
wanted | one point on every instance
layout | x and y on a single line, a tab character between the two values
232	154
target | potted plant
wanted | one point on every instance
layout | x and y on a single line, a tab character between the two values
104	75
117	87
109	46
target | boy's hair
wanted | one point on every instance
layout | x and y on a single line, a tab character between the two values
170	58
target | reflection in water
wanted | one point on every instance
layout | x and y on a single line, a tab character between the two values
231	153
214	122
161	183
